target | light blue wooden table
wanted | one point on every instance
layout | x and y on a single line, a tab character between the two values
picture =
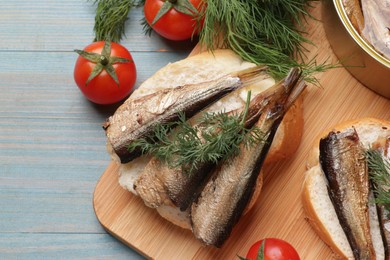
52	146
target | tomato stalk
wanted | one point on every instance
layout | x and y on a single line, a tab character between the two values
271	248
103	61
260	253
182	6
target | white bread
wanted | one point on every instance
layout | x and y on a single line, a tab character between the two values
316	202
199	68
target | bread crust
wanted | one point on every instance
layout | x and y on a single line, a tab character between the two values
289	134
313	218
313	157
373	133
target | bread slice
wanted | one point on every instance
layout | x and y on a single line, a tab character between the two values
321	213
316	202
199	68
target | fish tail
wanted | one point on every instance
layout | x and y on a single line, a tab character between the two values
252	75
293	76
296	92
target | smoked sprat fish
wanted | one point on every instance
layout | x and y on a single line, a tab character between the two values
343	161
230	188
137	118
159	184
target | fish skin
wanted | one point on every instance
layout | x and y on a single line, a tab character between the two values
229	190
343	162
137	118
150	185
158	180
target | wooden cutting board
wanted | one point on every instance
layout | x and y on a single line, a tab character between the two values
278	212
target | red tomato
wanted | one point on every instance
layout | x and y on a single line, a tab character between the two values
103	89
274	249
173	25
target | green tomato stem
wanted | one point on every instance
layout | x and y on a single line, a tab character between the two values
103	60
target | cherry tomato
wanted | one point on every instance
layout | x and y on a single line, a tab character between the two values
274	249
173	25
103	88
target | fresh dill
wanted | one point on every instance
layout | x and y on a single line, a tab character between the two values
110	18
263	32
214	137
379	169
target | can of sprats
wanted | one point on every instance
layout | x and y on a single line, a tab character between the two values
358	56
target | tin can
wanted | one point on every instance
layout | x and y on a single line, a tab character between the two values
358	57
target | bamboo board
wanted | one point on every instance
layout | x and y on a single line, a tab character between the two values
278	212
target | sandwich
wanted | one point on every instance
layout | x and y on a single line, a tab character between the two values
345	191
188	99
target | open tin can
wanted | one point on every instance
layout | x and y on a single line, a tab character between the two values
359	57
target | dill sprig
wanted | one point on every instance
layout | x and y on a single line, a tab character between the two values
379	169
110	18
263	32
214	137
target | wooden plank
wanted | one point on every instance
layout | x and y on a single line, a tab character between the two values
52	147
50	74
278	212
37	210
63	246
48	123
52	151
48	25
